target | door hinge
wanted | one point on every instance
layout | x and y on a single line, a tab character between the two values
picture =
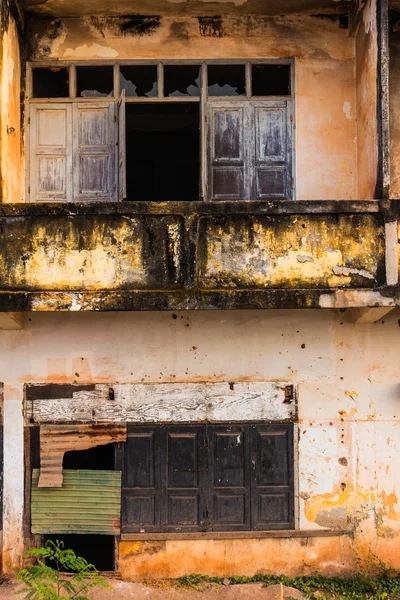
115	118
289	394
292	183
29	120
29	189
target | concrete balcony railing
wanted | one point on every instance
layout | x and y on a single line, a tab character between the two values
237	255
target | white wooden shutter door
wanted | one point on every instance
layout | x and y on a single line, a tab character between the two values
50	152
272	163
94	151
121	147
228	130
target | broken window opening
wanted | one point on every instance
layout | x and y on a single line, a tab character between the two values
139	81
162	151
95	81
270	80
182	80
50	83
96	549
99	458
226	80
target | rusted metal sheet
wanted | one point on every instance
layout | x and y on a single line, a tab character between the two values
55	440
162	402
88	502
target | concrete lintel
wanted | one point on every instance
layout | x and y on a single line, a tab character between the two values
11	320
356	299
392	253
370	315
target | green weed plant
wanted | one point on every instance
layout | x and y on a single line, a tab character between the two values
58	573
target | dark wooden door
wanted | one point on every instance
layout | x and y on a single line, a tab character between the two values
229	478
191	478
272	477
184	479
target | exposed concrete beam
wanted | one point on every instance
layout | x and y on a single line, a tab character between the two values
370	315
391	253
11	320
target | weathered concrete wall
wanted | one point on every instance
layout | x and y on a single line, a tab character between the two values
326	153
150	252
11	163
366	87
281	252
394	103
348	408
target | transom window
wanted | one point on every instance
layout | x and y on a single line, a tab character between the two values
160	131
236	477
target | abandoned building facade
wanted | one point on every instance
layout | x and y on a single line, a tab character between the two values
199	284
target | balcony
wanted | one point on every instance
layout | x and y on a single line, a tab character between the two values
197	255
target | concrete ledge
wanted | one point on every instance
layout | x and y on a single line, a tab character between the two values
234	535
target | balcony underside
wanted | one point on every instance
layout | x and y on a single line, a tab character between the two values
175	256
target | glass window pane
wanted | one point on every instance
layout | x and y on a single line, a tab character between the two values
182	80
139	80
226	80
50	83
270	80
94	81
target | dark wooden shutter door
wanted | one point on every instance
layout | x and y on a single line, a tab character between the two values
228	126
183	479
229	480
94	151
272	163
272	477
141	497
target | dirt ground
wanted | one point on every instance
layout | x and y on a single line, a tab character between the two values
123	590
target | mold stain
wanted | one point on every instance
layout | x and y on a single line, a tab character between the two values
139	25
211	26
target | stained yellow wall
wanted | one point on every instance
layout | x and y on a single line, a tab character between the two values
366	86
326	145
12	176
394	99
347	379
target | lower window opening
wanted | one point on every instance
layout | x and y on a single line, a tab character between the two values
163	152
96	549
100	458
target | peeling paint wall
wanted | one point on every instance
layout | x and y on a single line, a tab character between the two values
326	153
124	252
394	103
366	87
11	163
348	408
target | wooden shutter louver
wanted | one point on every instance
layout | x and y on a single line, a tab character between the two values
249	150
227	150
50	152
94	151
272	171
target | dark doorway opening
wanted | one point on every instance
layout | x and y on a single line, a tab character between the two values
163	151
100	458
96	549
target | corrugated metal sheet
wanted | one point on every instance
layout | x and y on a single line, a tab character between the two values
55	440
88	502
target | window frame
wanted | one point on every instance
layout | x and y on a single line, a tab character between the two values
207	431
203	99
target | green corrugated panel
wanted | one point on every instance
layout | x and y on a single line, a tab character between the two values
88	502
